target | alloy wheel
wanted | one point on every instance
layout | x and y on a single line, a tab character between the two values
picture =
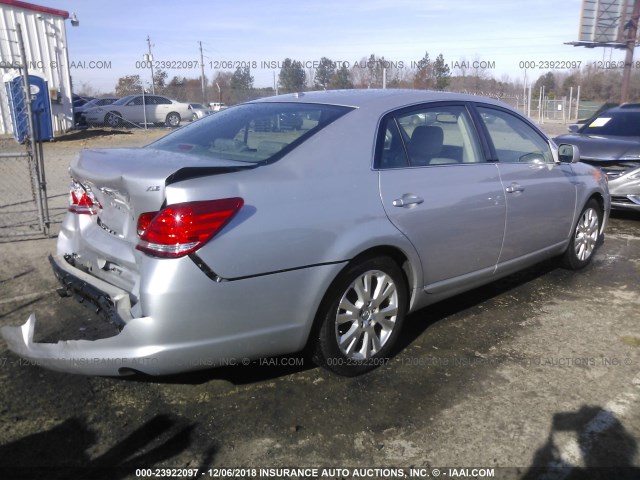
366	315
586	234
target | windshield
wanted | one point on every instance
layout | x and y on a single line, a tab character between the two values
626	124
252	132
197	105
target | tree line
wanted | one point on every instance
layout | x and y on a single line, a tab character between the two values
374	72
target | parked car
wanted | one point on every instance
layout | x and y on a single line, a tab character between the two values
218	243
277	122
290	120
138	109
199	110
217	106
611	142
95	102
605	106
78	101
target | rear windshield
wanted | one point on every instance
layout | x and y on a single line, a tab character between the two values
253	132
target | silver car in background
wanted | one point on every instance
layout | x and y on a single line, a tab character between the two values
78	112
140	109
226	241
199	111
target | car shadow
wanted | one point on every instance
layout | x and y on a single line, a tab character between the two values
418	322
62	451
625	214
90	133
254	371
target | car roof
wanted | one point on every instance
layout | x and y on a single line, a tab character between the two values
383	99
628	107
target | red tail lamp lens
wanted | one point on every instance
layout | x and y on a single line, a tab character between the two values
182	228
81	200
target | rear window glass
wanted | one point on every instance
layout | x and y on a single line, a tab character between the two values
254	132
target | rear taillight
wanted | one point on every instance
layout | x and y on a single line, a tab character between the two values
81	200
182	228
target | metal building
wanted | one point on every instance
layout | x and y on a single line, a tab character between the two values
45	43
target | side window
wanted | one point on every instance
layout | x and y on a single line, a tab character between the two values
163	101
439	135
391	149
513	139
135	101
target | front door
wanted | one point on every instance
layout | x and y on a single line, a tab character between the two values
541	197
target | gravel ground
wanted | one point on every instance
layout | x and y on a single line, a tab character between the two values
538	369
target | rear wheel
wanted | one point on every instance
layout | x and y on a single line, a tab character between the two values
172	120
361	317
584	240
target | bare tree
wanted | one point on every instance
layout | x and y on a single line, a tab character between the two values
128	85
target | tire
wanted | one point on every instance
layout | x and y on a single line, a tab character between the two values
361	317
112	119
585	237
172	120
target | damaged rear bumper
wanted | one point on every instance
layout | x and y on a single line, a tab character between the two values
112	302
118	355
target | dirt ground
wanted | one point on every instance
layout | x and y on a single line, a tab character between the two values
538	370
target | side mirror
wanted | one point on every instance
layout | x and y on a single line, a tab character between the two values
573	128
568	153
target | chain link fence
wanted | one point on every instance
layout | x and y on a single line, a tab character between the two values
19	216
23	197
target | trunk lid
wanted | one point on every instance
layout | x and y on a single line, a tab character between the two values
130	181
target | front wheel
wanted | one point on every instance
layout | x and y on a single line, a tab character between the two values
584	240
112	119
361	316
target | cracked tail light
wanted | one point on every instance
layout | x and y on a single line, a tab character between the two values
81	200
183	228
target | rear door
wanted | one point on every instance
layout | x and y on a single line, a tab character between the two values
540	194
161	107
437	189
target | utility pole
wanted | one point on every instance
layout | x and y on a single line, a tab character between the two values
632	34
150	60
204	93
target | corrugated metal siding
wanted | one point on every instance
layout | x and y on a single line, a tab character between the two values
45	41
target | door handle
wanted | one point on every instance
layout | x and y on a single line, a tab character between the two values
407	200
514	187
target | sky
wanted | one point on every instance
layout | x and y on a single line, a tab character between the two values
504	34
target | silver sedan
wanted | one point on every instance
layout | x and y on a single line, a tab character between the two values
238	237
140	109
